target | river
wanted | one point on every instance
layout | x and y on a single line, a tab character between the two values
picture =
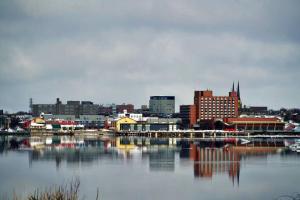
144	168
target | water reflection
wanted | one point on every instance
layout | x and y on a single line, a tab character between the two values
209	158
209	161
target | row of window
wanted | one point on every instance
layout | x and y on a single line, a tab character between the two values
216	110
217	102
217	116
220	113
216	98
217	107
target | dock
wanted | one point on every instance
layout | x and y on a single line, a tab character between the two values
209	134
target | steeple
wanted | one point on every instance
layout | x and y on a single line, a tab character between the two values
232	87
238	90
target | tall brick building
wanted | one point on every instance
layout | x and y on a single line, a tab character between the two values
209	106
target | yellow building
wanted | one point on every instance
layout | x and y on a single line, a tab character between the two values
37	123
124	121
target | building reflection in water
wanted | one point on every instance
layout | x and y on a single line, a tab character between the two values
92	150
159	151
162	160
209	158
210	161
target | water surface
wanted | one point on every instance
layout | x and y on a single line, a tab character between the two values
150	169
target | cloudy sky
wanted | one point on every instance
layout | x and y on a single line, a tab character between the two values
123	51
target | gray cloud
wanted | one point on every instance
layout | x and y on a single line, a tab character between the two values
125	51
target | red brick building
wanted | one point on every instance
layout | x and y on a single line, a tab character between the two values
188	115
122	107
209	107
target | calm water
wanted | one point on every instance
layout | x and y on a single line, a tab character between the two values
139	168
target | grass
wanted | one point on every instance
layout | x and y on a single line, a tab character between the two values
63	192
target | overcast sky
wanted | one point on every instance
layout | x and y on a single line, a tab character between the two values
124	51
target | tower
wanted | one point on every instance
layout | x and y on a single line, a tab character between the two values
239	95
238	90
232	87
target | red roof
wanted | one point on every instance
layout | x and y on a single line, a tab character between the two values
62	122
252	119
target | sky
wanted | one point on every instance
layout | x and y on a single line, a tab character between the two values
123	51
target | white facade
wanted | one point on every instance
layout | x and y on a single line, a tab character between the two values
134	116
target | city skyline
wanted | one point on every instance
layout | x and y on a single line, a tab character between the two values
126	51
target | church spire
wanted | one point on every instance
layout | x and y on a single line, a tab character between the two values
238	90
232	87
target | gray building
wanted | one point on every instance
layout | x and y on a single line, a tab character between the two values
164	105
71	108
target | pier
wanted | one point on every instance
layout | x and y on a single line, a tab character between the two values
208	134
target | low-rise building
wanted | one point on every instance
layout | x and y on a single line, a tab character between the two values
88	121
147	124
123	124
91	121
256	124
134	116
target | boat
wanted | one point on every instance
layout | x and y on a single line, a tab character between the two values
298	148
295	147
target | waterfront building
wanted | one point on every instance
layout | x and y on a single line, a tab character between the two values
147	124
209	106
162	124
164	105
188	116
124	123
62	117
88	121
62	125
91	121
37	123
256	124
134	116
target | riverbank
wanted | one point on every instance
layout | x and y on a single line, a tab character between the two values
160	134
51	133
